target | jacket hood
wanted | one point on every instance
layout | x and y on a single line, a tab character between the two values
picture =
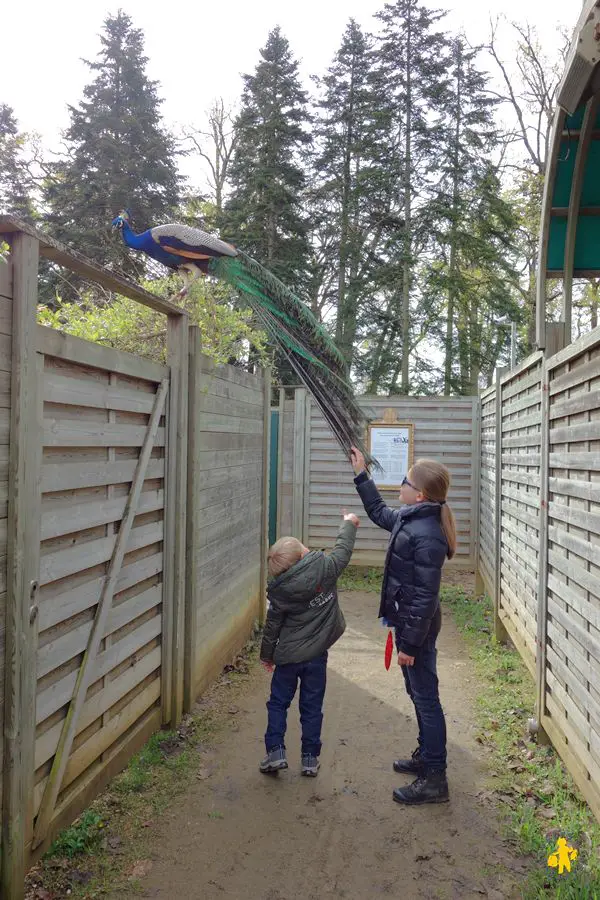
302	581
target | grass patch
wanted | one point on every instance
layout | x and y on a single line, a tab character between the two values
109	845
355	578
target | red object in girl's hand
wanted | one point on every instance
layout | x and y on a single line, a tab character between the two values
389	649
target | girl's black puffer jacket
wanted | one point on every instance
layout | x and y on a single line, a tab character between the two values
413	565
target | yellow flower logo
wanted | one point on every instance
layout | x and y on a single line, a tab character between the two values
562	857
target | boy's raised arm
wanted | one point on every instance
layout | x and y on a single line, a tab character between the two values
340	556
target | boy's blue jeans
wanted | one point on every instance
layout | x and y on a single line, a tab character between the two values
422	687
313	678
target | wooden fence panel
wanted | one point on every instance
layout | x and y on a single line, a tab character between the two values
95	421
487	490
570	696
227	514
521	438
445	429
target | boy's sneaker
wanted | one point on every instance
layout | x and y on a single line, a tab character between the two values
412	766
310	765
274	761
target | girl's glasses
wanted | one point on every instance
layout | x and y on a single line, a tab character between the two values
409	483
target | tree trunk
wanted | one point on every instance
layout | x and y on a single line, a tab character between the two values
406	279
453	272
344	332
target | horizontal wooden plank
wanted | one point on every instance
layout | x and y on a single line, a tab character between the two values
573	567
5	378
577	376
99	703
72	475
216	496
571	487
582	518
522	440
213	390
585	729
587	639
65	346
580	459
231	374
509	425
572	434
60	692
68	516
61	563
4	426
571	406
530	383
225	459
210	403
69	390
522	515
227	424
59	651
560	592
6	279
71	433
73	600
531	479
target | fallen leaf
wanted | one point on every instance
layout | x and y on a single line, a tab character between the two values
202	774
147	824
42	894
530	754
233	710
114	841
422	857
140	869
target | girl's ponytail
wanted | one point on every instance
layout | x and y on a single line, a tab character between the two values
448	523
433	480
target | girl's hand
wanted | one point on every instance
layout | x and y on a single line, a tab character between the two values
267	664
350	517
405	660
358	461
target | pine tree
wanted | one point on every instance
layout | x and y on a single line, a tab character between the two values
350	187
475	225
119	155
412	74
15	181
264	214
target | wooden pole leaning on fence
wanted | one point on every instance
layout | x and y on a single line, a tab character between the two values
87	669
500	631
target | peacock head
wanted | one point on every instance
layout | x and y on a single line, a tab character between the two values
121	219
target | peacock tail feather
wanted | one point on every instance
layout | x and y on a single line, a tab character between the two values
304	342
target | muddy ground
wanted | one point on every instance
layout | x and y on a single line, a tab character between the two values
238	834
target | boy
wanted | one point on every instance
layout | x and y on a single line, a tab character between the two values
303	621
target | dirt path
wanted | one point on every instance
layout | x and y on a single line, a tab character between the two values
238	834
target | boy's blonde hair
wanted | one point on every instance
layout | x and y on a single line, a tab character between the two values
283	555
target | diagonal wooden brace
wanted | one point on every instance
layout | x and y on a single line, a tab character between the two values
86	671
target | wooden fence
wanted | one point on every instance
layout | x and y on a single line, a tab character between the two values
227	513
546	588
96	507
316	480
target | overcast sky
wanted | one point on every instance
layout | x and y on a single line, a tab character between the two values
199	50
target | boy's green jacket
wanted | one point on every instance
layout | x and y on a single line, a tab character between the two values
304	617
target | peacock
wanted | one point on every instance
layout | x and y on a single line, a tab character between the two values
289	322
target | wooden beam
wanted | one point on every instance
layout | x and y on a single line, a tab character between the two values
264	539
552	164
58	253
583	147
299	486
22	570
87	669
177	358
499	628
542	582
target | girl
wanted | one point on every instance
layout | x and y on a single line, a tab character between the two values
423	534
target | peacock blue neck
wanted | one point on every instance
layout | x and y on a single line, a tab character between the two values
133	240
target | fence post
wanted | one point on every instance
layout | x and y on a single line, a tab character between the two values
23	545
192	523
175	537
476	493
264	537
542	585
500	631
299	487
